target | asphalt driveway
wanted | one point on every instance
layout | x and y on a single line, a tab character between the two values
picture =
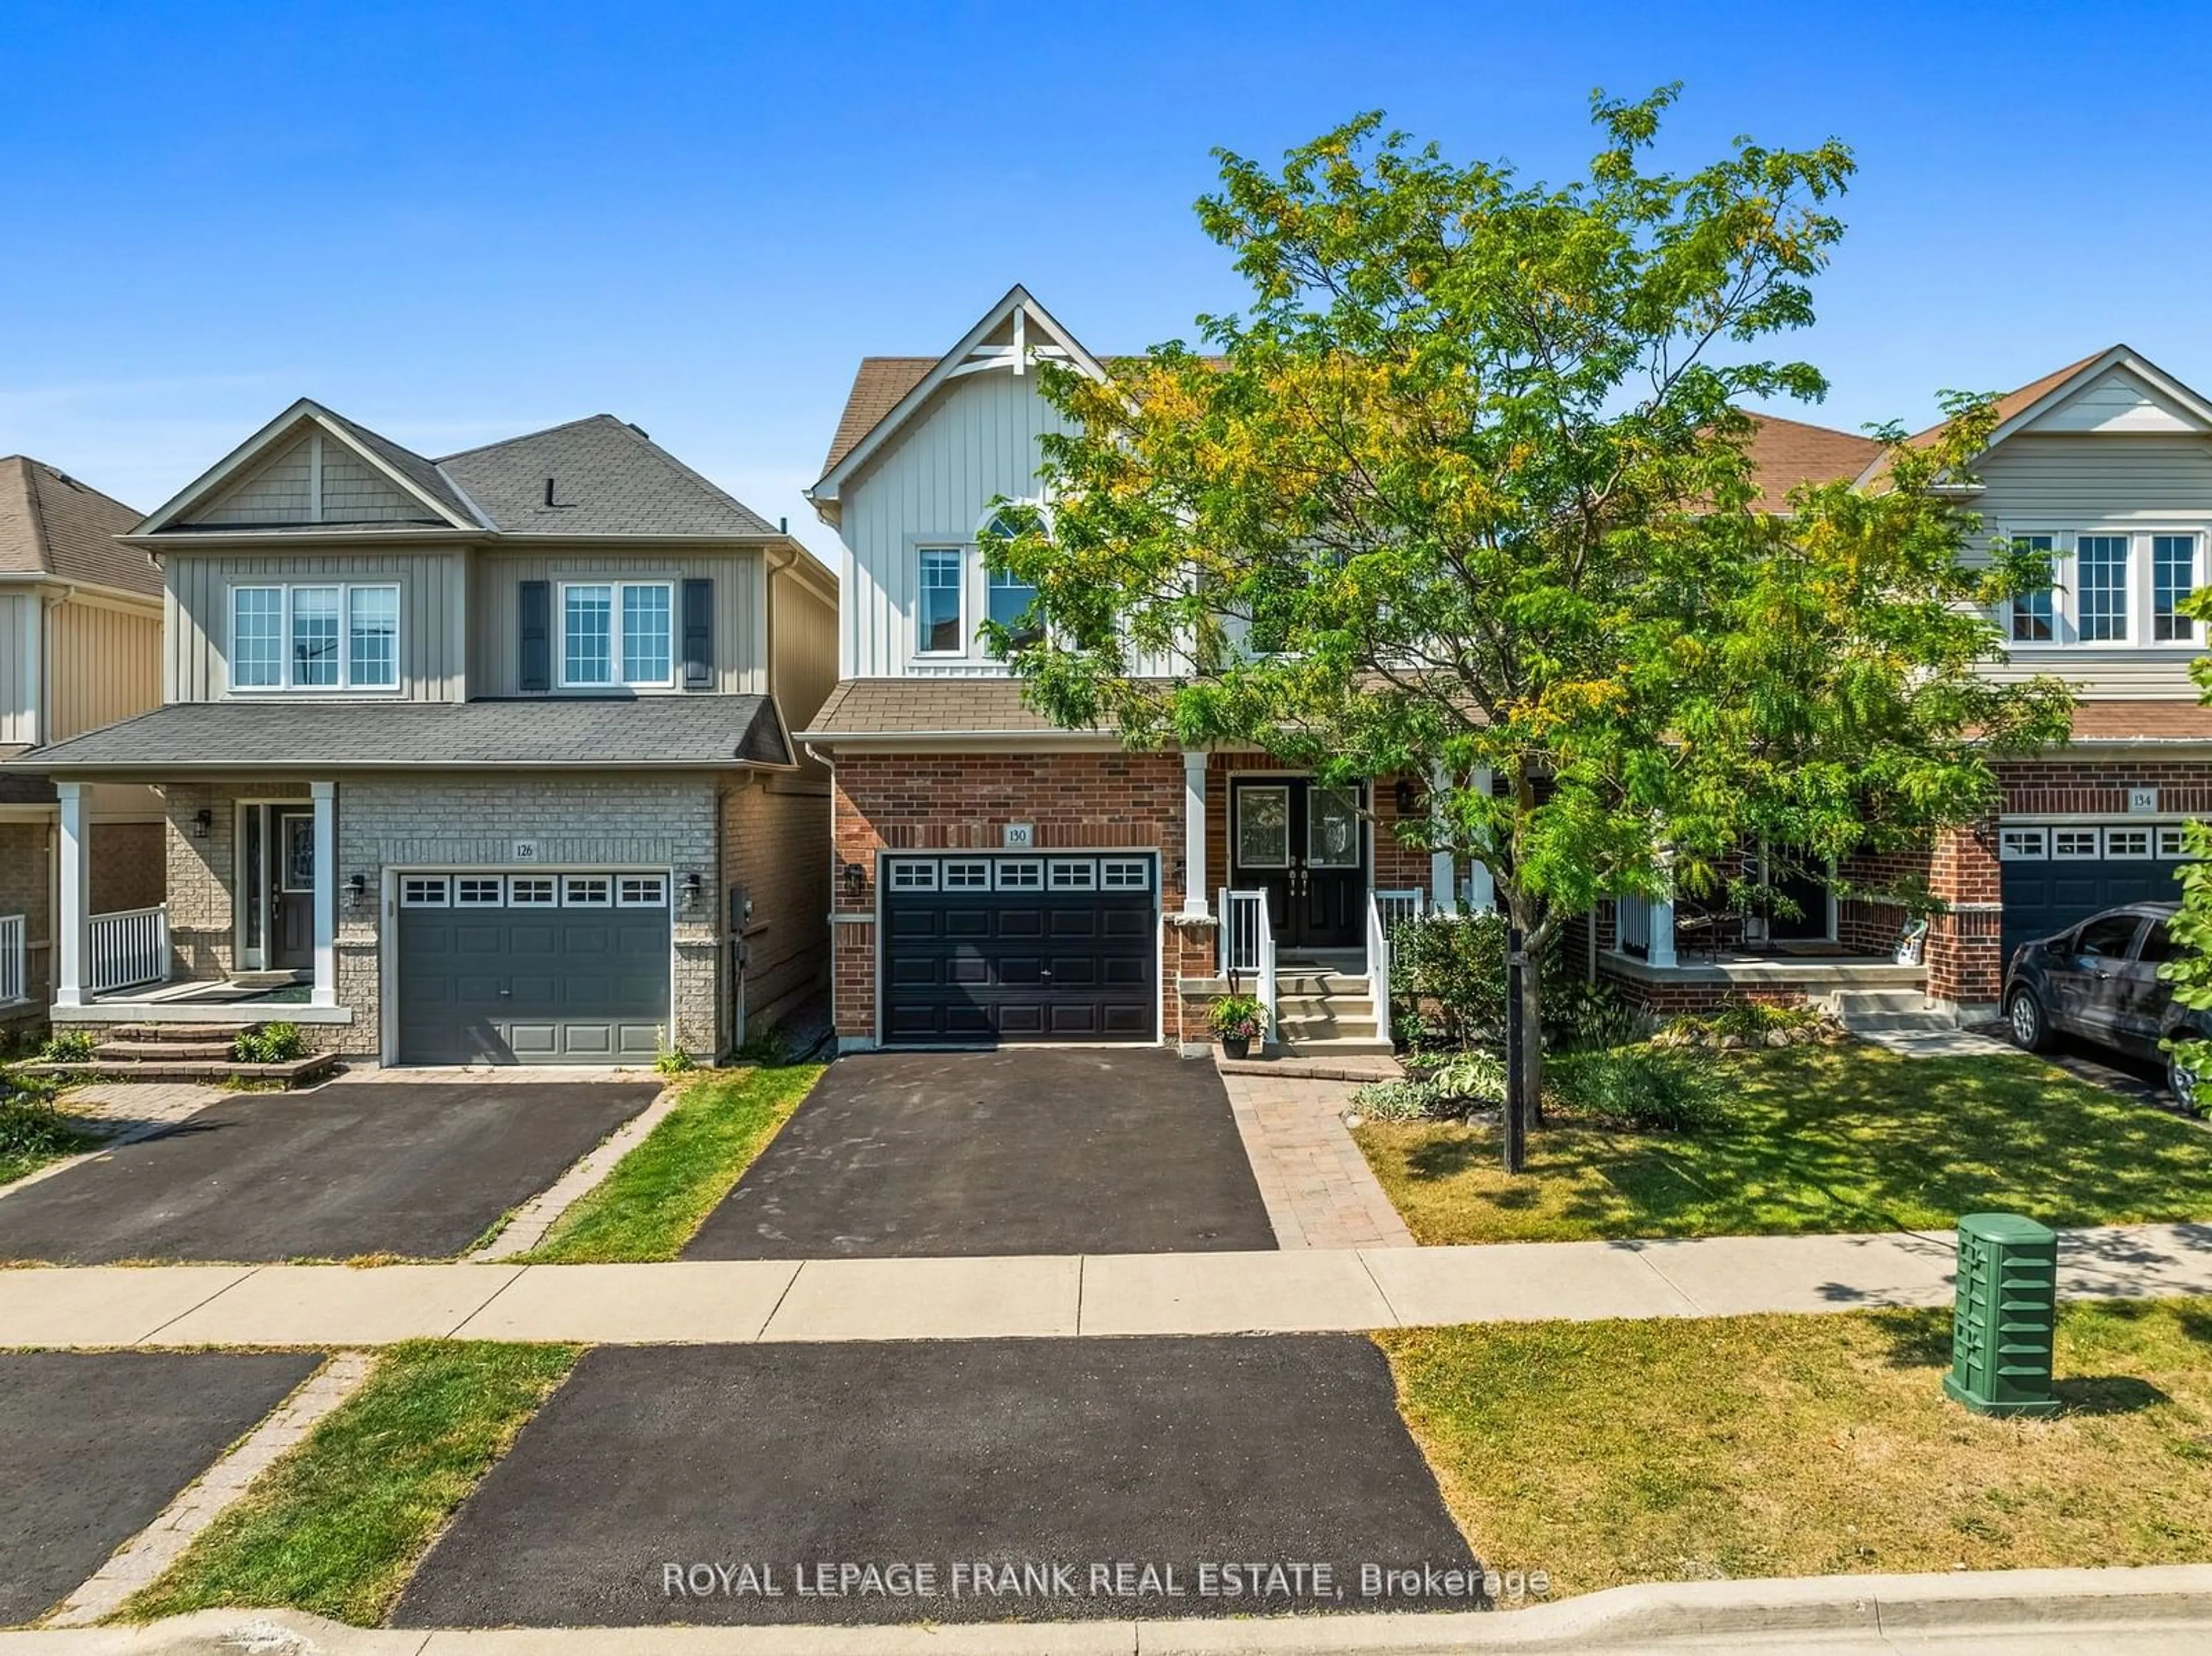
1023	1455
95	1445
417	1169
1026	1152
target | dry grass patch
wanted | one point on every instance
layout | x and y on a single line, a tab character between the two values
1618	1451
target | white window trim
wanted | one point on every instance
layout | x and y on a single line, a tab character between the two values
2066	585
969	562
616	587
345	686
659	899
551	900
2150	584
569	902
409	883
497	900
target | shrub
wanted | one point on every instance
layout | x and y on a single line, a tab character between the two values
1468	1081
1447	980
673	1061
31	1127
272	1043
69	1046
1641	1089
1236	1015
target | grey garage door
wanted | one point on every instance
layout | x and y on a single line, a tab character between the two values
989	948
531	969
2056	874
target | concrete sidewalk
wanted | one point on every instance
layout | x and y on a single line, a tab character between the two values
2159	1610
1310	1290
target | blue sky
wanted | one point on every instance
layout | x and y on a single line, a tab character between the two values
457	222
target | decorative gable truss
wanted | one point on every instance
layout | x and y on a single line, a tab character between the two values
310	469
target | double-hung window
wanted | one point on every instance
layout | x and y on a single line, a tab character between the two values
2033	618
318	637
618	633
2172	578
2100	578
941	628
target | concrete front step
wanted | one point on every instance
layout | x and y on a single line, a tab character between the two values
198	1046
1291	1006
313	1067
1351	1066
1289	984
1339	1047
1324	1028
1846	1002
1899	1023
185	1033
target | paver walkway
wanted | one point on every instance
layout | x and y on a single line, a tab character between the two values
1318	1187
1306	1290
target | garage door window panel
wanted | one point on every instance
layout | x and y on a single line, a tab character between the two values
2024	843
2076	844
2128	845
641	891
532	891
424	891
586	891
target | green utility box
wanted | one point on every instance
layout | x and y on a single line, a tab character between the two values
2007	1310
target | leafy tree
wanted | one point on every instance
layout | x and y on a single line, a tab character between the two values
2191	972
1464	492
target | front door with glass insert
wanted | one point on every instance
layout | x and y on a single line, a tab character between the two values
1305	846
292	904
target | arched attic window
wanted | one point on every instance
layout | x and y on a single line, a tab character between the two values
1006	600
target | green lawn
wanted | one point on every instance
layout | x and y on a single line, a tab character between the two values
1848	1138
1609	1452
656	1197
337	1526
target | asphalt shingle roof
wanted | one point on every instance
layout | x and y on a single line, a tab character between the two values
53	525
687	731
910	706
609	478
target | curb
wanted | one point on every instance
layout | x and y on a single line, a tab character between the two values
2151	1600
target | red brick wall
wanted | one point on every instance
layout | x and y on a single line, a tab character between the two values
919	801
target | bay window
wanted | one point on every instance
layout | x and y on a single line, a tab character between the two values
320	636
618	633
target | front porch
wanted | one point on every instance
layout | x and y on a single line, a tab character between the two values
1668	969
274	921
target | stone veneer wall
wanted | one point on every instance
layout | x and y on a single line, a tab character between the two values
607	820
202	920
775	843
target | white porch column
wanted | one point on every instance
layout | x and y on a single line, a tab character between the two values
1443	867
325	991
1194	905
1482	891
1662	950
72	952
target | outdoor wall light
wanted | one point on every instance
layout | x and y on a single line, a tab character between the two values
692	891
856	879
356	889
1403	794
201	822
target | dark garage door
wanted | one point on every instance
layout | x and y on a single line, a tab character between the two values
532	968
987	948
2056	874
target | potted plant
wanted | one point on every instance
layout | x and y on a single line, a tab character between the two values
1237	1019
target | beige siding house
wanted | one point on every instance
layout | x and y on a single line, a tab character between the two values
479	758
79	647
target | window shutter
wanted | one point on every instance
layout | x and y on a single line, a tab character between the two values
698	634
536	637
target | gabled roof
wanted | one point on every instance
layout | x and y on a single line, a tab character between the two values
886	395
53	525
443	505
607	478
2016	410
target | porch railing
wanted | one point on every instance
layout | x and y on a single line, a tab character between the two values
1631	923
1378	952
1248	947
13	981
130	947
1399	906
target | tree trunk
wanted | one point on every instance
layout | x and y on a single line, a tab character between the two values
1532	1063
1512	1123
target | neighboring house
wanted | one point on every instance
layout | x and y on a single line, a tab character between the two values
2107	465
481	759
1001	879
80	646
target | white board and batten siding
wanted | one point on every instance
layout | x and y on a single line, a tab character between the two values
975	441
433	613
740	641
2109	460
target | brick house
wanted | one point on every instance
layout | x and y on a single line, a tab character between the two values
80	646
479	758
1000	879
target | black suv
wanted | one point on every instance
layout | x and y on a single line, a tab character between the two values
2100	980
